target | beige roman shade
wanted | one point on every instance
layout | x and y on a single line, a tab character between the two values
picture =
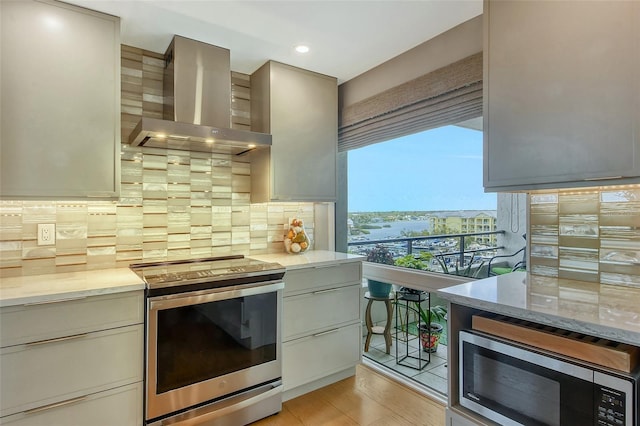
445	96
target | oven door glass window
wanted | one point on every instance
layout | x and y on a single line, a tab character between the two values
524	392
199	342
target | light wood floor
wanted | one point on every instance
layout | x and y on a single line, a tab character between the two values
369	398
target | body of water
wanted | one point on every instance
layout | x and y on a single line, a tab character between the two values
394	230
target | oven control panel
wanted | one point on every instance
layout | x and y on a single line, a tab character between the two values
610	406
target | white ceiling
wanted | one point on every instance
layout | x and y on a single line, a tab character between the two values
346	38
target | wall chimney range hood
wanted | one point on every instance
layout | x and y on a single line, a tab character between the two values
197	104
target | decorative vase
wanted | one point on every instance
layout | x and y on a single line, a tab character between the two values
296	239
430	336
379	289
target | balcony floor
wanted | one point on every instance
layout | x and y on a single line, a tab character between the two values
433	376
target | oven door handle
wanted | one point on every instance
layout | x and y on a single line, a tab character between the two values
213	295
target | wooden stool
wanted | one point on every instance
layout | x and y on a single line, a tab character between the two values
371	330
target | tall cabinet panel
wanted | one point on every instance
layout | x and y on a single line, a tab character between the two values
60	114
300	110
562	93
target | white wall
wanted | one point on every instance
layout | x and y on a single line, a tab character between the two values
512	218
447	48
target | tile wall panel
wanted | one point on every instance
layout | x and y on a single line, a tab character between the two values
587	235
173	204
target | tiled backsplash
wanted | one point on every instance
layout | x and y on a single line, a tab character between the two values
184	204
587	235
173	204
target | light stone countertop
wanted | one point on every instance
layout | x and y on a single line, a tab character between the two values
308	259
69	285
602	310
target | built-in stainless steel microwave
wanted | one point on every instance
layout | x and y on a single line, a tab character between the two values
513	384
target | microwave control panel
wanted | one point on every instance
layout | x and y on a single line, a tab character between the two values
610	406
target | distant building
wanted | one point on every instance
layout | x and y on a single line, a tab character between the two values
465	222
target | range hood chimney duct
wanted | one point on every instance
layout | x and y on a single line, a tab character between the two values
197	104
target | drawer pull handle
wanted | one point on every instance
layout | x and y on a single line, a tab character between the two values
604	178
326	291
326	332
48	302
55	405
57	339
325	266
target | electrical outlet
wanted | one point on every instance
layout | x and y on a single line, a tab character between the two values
46	234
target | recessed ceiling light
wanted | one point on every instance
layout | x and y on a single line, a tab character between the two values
301	48
52	22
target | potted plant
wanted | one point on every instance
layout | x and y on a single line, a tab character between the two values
431	331
422	261
379	254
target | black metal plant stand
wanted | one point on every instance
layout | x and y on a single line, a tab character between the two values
411	298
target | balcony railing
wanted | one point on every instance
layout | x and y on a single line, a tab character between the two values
451	248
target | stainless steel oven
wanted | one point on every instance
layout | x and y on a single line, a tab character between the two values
213	344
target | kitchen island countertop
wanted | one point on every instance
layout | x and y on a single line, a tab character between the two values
33	289
602	310
307	259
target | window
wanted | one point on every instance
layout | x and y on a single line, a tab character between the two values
423	185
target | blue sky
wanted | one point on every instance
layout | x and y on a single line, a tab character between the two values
440	169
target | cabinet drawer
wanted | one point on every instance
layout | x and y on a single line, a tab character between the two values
44	373
121	406
319	277
32	323
311	312
314	357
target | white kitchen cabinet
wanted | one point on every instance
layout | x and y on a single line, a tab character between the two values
322	277
562	94
41	321
319	310
320	355
299	108
119	406
60	106
54	376
321	326
69	367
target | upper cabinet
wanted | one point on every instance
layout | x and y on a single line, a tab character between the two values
60	106
299	109
562	94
